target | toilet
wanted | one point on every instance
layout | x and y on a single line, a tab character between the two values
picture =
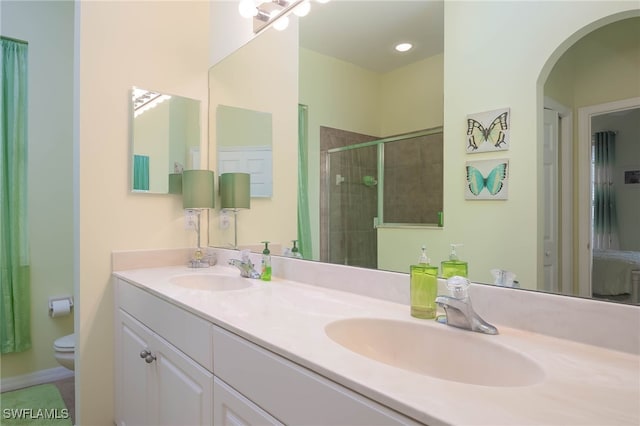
65	350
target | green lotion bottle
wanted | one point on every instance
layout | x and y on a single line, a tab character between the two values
424	287
266	262
454	266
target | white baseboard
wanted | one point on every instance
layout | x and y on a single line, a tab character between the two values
35	378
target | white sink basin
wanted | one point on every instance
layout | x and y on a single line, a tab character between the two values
210	282
437	351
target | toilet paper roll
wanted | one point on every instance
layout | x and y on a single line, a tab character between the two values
60	308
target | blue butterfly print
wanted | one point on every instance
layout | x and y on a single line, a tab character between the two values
494	134
493	182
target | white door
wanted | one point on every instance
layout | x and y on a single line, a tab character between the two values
255	160
550	172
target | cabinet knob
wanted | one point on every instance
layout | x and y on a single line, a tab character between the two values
147	356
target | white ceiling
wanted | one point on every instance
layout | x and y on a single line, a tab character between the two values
364	32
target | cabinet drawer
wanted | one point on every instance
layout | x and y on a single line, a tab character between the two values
289	392
183	329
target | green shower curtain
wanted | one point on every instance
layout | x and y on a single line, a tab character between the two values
304	226
141	172
15	297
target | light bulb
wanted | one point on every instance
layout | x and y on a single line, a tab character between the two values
281	23
247	8
302	9
403	47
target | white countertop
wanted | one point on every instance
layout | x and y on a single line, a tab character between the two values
583	384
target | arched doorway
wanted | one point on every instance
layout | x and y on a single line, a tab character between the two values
597	65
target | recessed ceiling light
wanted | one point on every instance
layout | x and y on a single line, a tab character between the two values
403	47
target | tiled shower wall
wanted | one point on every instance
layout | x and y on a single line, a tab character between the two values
347	235
413	180
412	192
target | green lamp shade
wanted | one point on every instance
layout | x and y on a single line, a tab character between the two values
197	189
175	183
234	190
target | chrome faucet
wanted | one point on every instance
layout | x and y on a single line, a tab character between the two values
245	266
458	309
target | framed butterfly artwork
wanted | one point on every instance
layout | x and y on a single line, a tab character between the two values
488	131
486	179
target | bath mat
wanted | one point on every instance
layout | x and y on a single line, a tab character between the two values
39	405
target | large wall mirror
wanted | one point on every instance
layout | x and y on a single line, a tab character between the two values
507	234
165	138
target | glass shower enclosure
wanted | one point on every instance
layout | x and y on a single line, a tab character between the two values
394	181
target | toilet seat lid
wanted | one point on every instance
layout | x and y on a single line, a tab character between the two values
65	343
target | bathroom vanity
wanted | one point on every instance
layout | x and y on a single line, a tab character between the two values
210	347
166	374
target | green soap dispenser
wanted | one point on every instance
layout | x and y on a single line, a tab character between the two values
454	266
266	262
424	287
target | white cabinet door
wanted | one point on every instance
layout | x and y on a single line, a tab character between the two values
183	389
132	375
233	409
167	388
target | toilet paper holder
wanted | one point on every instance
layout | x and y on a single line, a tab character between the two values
69	299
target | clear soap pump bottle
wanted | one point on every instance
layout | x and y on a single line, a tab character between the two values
266	262
454	266
295	251
424	287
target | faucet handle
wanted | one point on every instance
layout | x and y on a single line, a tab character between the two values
244	254
458	287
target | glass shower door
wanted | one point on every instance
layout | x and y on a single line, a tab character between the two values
353	206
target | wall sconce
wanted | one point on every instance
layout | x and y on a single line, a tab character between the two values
197	195
234	195
273	12
175	183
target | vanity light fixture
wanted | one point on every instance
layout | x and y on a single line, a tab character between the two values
403	47
234	195
144	100
273	12
302	9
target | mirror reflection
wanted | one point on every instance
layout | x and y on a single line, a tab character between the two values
165	139
394	181
509	235
609	130
244	146
357	87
